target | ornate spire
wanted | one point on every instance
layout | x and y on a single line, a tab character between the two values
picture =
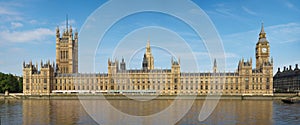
71	29
262	33
148	49
215	63
67	28
148	43
145	63
215	66
57	31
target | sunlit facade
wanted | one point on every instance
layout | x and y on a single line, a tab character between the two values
63	76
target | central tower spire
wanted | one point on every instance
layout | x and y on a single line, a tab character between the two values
67	23
67	50
148	48
149	57
215	66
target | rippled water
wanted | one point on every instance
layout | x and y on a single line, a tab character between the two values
65	112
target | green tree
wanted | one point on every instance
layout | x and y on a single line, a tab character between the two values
20	84
10	82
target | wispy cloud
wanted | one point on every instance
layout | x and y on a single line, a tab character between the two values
16	25
249	11
281	33
8	15
227	54
285	33
25	36
227	11
71	22
10	4
6	11
291	6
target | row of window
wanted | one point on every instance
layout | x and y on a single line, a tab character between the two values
64	55
37	80
148	87
256	86
37	87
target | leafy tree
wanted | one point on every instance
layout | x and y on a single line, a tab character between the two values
10	82
20	84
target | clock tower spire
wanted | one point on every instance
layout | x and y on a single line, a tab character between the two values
262	49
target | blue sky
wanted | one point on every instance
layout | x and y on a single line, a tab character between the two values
27	31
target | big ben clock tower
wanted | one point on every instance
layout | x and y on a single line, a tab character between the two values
262	49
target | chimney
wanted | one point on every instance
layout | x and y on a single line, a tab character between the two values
278	69
284	68
296	67
290	67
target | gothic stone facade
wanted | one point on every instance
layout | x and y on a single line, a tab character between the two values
63	77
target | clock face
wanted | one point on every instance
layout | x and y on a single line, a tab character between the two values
264	50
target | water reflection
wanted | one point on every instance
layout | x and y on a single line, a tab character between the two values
36	112
286	114
59	112
10	112
157	112
233	112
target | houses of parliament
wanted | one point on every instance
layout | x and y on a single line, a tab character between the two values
62	76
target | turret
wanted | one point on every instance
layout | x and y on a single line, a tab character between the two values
70	30
145	63
57	32
76	35
123	65
245	66
113	67
215	66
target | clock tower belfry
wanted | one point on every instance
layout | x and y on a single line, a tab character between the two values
262	49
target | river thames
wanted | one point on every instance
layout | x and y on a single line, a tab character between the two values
66	112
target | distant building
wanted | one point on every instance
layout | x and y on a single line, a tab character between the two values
287	80
63	77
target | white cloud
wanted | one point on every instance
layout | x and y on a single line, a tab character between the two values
227	54
6	11
282	33
249	11
227	11
285	33
16	50
16	25
231	55
26	36
33	22
10	4
291	6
